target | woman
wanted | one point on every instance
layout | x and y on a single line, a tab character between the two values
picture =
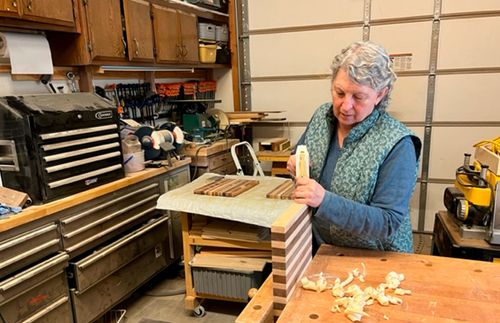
363	161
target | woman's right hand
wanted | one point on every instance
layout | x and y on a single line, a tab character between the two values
290	165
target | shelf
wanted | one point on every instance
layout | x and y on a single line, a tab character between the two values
197	10
195	101
199	241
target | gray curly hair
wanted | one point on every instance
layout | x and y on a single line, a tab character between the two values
367	63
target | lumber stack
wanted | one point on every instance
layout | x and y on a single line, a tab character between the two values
231	230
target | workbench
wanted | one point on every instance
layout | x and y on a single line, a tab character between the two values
56	259
211	158
442	289
448	242
289	223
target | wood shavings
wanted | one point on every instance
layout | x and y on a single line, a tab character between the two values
319	285
353	299
393	279
401	291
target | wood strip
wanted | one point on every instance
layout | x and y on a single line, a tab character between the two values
245	187
219	189
281	191
202	189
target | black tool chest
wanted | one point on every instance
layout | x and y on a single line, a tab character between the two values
54	269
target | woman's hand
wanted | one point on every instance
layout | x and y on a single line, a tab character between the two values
308	191
290	165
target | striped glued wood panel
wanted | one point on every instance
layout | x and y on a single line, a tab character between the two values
283	191
226	187
291	253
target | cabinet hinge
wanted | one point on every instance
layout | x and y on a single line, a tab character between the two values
85	2
154	52
89	47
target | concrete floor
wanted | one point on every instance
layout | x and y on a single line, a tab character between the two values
162	299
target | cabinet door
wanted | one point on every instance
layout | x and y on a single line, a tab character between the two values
139	30
9	8
58	12
189	35
176	35
104	22
167	38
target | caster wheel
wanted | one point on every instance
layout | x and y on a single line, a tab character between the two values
199	311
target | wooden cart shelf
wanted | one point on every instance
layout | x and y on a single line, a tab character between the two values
199	241
290	247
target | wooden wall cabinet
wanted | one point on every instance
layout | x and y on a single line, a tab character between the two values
35	14
176	35
139	30
105	30
10	8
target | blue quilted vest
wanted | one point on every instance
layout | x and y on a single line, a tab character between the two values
356	172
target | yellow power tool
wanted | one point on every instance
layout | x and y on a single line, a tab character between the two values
473	197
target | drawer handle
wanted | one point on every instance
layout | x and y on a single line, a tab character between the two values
24	276
97	256
113	228
46	310
33	251
26	237
111	216
107	204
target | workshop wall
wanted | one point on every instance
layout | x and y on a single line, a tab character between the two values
447	57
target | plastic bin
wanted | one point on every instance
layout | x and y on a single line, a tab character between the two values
208	53
221	34
206	31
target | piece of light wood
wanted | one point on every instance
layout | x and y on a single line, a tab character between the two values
487	157
229	263
443	289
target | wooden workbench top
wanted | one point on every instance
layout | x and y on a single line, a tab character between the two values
443	289
209	149
36	212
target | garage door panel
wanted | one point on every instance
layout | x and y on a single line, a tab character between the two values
408	38
462	46
466	97
457	6
408	99
448	145
388	9
299	99
264	14
298	53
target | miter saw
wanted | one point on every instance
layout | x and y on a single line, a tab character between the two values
475	196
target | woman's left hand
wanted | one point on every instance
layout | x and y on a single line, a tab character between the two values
308	191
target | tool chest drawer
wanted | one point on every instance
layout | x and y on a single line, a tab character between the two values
104	261
146	251
90	224
19	250
39	293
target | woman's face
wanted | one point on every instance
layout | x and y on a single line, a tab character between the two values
352	102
